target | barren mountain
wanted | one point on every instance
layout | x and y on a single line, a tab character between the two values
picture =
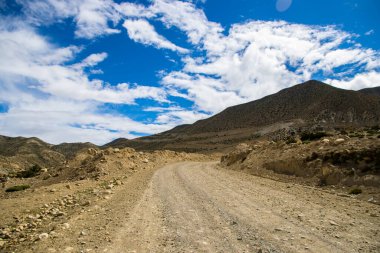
324	184
371	91
310	104
18	153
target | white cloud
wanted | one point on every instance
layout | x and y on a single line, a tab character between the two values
187	18
245	62
259	58
43	66
180	117
56	124
92	60
92	17
132	10
359	81
141	31
47	97
370	32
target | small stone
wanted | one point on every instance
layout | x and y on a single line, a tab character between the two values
53	190
118	182
68	186
2	243
339	140
107	192
86	203
69	249
333	223
326	141
65	225
83	233
43	236
110	186
53	234
370	199
145	161
239	238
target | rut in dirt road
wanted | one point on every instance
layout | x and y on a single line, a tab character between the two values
194	207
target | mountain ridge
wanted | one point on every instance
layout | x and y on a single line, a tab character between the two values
308	103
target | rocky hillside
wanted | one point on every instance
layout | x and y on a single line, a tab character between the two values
371	91
349	159
19	153
309	104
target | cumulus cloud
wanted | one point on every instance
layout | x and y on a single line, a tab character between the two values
359	81
48	97
43	68
187	18
224	66
93	18
141	31
259	58
57	123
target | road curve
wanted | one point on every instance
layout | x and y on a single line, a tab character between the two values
196	207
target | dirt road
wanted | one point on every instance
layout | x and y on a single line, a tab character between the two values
195	207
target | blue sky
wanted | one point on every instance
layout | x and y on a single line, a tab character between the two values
96	70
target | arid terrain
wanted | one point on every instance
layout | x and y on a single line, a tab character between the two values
298	186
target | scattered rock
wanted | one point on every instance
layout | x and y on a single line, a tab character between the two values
43	236
326	141
69	249
333	223
65	225
86	203
339	141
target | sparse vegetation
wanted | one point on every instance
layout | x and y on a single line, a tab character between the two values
311	136
31	172
355	191
290	140
17	188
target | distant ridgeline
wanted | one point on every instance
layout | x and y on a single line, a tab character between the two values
309	105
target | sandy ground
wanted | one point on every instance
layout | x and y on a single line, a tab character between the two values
198	207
